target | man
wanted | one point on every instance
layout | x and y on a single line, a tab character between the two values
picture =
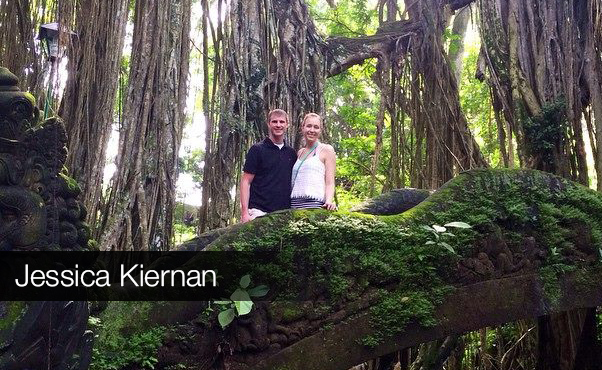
266	180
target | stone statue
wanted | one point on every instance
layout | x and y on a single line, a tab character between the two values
39	211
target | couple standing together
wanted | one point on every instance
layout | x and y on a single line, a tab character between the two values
275	177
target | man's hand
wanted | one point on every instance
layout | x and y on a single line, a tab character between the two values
245	189
245	217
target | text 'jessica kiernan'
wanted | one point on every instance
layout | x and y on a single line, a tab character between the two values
127	275
135	276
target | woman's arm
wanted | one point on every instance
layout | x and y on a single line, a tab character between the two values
330	163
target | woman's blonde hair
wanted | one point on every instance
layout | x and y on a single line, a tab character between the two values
311	115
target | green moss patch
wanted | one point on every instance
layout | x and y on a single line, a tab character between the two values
342	257
124	338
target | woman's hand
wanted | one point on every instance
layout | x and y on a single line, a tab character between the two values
330	160
331	206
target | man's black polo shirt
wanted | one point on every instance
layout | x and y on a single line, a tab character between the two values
272	167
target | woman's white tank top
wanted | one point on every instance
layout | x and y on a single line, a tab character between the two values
309	181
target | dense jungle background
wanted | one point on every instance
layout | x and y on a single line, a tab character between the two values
412	92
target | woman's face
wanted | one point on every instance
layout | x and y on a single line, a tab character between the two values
312	128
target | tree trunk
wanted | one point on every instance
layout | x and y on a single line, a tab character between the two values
456	46
535	64
450	146
568	341
18	26
138	213
543	53
89	97
272	55
593	73
380	123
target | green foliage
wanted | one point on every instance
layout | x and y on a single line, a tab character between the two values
351	123
350	17
124	74
475	100
182	231
240	302
346	199
190	163
441	234
599	323
122	338
550	276
546	131
453	40
340	248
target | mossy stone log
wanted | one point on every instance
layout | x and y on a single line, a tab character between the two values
393	202
347	287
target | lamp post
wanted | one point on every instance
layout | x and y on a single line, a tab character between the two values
50	37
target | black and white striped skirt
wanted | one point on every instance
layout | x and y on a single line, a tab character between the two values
304	203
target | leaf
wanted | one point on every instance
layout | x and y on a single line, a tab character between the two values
430	242
449	234
459	224
439	229
448	247
243	307
428	228
226	317
242	301
259	291
245	281
240	295
223	303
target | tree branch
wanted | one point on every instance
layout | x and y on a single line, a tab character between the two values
343	52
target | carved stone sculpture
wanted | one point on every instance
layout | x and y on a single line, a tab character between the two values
39	211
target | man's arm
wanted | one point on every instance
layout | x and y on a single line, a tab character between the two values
245	191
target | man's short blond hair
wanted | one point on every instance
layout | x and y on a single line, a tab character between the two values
279	112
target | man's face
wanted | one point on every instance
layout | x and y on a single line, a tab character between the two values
277	125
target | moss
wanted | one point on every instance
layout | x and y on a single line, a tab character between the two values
12	311
72	187
550	277
29	96
545	132
586	278
10	314
287	311
123	318
124	337
343	256
392	314
551	284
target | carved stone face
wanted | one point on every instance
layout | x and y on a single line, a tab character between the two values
22	218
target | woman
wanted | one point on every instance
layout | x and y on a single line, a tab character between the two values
313	173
